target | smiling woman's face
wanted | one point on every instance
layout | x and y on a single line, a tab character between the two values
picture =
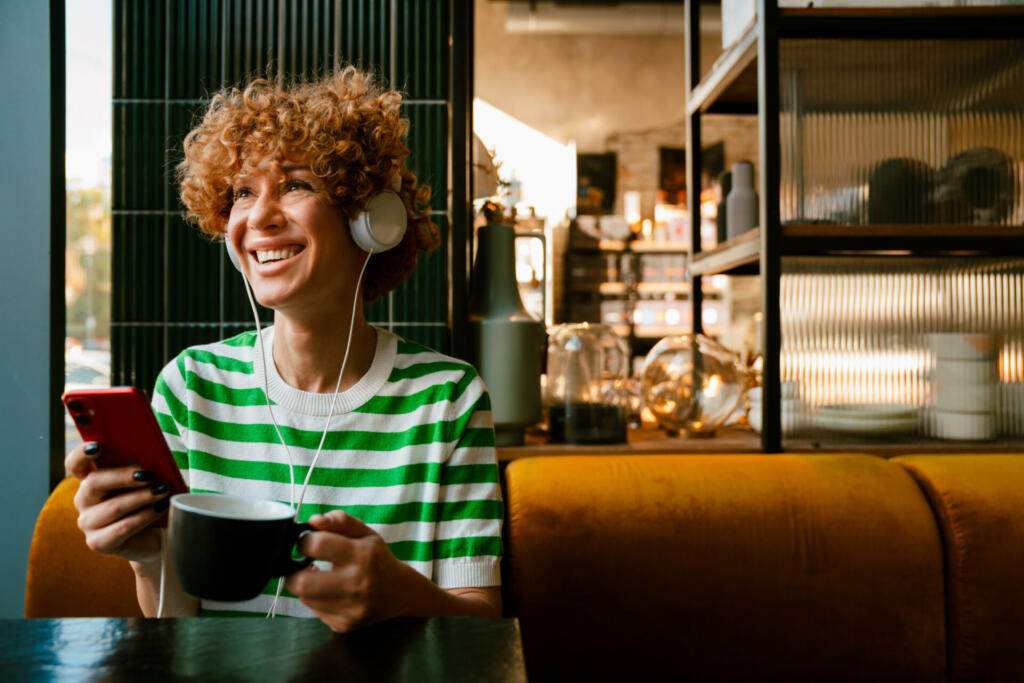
293	243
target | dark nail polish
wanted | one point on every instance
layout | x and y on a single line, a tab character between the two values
143	475
158	489
92	448
161	505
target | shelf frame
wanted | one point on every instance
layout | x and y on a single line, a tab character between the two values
739	256
739	61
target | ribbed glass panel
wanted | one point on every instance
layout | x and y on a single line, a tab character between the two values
432	336
251	46
195	48
138	355
138	261
428	143
309	30
183	336
364	38
889	4
900	132
139	53
421	50
424	296
943	337
138	159
181	117
171	287
193	274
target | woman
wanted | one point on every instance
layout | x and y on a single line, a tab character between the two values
405	486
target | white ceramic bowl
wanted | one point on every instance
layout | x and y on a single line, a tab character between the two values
965	426
964	345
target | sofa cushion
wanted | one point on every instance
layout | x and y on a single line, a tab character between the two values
979	501
67	579
723	567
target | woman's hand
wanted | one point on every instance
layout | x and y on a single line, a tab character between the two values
116	506
368	583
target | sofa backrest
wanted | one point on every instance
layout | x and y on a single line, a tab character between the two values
979	504
723	567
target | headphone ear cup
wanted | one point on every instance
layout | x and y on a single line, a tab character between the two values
233	255
381	225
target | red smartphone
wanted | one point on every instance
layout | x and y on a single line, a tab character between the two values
122	422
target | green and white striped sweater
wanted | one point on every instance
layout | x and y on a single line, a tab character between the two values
410	451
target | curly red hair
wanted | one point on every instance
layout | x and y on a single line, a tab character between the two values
345	126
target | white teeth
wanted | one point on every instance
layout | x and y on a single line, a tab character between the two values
264	255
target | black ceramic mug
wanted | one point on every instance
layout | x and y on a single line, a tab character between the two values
227	548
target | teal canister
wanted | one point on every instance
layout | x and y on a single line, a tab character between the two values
505	340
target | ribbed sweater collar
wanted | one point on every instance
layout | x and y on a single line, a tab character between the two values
310	403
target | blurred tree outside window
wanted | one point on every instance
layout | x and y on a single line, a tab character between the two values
87	293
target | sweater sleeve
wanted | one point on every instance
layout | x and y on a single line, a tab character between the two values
169	406
467	543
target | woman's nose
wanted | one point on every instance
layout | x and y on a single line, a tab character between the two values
265	213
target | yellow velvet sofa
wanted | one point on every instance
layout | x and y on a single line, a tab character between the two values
717	567
767	567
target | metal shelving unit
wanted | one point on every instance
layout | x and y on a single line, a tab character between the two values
746	80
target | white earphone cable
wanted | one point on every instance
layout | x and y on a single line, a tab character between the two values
323	437
163	572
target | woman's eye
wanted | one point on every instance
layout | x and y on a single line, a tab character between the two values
241	192
295	185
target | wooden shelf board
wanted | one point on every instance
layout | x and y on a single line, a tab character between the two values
895	446
643	441
643	246
663	287
742	255
612	288
897	231
738	255
728	82
731	85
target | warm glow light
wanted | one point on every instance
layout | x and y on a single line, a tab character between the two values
713	385
631	206
544	167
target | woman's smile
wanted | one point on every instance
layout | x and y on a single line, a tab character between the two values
275	255
300	256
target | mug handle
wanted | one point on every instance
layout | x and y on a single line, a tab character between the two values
287	565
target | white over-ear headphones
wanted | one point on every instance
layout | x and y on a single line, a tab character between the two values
379	227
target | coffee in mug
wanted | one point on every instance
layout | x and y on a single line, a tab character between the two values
227	548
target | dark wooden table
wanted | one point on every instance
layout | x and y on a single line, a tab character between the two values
257	649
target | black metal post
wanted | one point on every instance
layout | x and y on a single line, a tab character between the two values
460	176
58	237
771	229
693	157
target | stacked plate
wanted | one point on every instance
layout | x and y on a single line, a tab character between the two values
794	409
966	377
869	418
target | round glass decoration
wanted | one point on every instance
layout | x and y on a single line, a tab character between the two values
692	384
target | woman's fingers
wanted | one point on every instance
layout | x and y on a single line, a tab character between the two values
113	510
110	539
79	461
98	485
340	522
326	545
329	586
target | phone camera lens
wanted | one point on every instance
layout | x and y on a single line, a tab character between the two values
82	419
75	405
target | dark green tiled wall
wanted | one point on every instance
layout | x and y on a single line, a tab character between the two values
172	287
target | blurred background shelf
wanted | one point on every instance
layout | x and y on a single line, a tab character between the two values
888	171
731	85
